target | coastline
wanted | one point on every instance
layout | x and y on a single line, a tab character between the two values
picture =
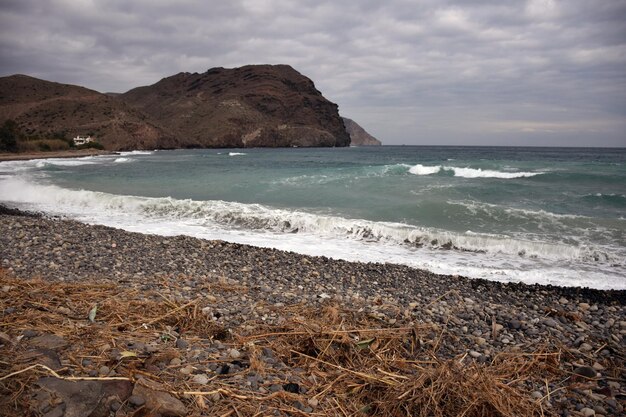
53	155
248	291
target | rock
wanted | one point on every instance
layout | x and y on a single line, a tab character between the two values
48	341
157	399
475	354
550	322
358	135
186	370
136	400
536	395
104	370
182	344
585	347
29	333
587	412
313	402
563	300
585	371
598	367
583	306
64	310
234	353
201	379
86	398
175	362
515	324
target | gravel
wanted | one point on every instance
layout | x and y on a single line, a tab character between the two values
481	318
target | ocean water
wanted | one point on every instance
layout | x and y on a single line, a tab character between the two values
536	215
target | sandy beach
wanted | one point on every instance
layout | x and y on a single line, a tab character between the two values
220	327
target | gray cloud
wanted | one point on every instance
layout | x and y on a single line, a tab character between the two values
539	72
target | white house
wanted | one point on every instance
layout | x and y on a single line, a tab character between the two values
81	140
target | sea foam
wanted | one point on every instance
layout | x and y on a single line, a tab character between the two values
469	172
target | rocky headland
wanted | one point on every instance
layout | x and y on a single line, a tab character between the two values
250	106
153	325
358	135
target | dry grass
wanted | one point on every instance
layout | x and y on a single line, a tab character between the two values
350	364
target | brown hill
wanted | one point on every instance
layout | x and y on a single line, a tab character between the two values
255	105
43	108
358	135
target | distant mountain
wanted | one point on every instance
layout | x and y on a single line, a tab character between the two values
43	108
358	135
255	105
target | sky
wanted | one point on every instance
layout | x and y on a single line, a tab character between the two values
414	72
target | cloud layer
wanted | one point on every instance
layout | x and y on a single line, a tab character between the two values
540	72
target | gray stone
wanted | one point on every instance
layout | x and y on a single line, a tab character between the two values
182	344
158	399
587	412
86	398
201	379
136	400
585	371
550	322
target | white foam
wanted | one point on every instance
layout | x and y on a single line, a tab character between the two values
424	170
236	153
137	153
118	160
420	169
67	162
479	173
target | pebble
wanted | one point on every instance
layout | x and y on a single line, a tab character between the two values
586	371
201	379
182	344
550	322
587	412
272	280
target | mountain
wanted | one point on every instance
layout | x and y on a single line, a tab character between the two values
43	108
250	106
358	135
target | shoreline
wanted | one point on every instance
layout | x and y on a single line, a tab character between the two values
250	292
54	154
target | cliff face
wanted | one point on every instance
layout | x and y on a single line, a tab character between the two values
43	108
255	105
358	135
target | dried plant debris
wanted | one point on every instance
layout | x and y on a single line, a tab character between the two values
147	354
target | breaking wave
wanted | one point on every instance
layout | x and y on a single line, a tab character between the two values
137	153
468	172
94	206
236	153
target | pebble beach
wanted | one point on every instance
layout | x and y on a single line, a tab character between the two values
241	289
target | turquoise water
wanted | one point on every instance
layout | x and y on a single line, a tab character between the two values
543	215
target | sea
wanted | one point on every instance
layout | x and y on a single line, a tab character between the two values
512	214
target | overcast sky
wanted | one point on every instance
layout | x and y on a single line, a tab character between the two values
475	72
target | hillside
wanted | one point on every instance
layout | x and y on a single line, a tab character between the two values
358	135
43	109
251	106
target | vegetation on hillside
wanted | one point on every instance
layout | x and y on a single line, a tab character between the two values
13	139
